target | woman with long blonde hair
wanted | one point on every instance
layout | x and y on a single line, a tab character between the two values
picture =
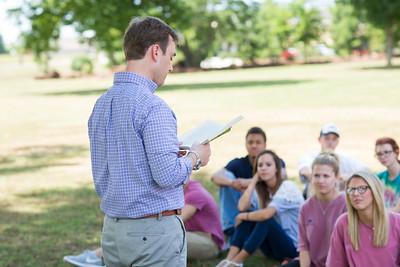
368	234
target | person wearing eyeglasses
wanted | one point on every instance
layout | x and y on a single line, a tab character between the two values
387	152
368	234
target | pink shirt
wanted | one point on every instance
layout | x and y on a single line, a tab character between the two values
341	252
206	219
316	222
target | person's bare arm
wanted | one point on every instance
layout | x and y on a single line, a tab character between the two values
187	212
220	178
305	172
305	260
245	200
255	216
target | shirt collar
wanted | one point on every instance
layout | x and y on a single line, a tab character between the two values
131	77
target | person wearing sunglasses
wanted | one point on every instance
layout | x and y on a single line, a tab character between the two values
368	234
387	152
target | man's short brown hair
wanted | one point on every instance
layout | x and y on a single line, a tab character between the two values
143	32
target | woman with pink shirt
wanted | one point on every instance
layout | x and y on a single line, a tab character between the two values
318	215
368	234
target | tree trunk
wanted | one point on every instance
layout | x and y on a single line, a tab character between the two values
305	53
389	45
189	57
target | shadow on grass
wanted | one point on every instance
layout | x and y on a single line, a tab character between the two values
33	158
70	223
195	86
397	67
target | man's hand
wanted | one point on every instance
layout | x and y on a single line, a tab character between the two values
236	184
204	152
242	183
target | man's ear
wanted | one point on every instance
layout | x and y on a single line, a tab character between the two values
155	51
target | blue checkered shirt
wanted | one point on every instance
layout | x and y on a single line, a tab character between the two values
134	150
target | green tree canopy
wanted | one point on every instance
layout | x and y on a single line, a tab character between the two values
383	14
308	23
349	32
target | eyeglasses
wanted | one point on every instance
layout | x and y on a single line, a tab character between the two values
360	189
383	153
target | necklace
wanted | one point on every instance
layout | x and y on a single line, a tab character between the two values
321	206
326	204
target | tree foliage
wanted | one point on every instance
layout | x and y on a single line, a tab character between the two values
106	19
383	14
308	24
276	27
351	33
248	29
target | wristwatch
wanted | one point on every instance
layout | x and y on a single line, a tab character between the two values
197	164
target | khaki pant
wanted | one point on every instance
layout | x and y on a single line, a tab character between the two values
144	242
201	246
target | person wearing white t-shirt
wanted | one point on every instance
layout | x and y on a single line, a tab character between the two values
329	138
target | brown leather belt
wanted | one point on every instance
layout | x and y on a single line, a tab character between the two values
159	215
164	213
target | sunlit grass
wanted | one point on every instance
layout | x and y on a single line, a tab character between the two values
48	207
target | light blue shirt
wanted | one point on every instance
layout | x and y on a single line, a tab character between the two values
134	150
288	201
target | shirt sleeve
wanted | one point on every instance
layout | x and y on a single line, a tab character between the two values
303	242
306	161
195	199
283	164
232	166
337	253
287	197
161	144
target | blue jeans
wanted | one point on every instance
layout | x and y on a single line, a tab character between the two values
267	235
229	199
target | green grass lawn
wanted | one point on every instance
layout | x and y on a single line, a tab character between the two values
48	207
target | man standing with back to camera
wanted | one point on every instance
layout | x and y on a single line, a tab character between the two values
137	171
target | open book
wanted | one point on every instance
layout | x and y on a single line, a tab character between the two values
206	132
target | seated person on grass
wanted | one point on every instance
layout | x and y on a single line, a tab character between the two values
387	152
272	228
329	138
319	213
368	234
236	176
